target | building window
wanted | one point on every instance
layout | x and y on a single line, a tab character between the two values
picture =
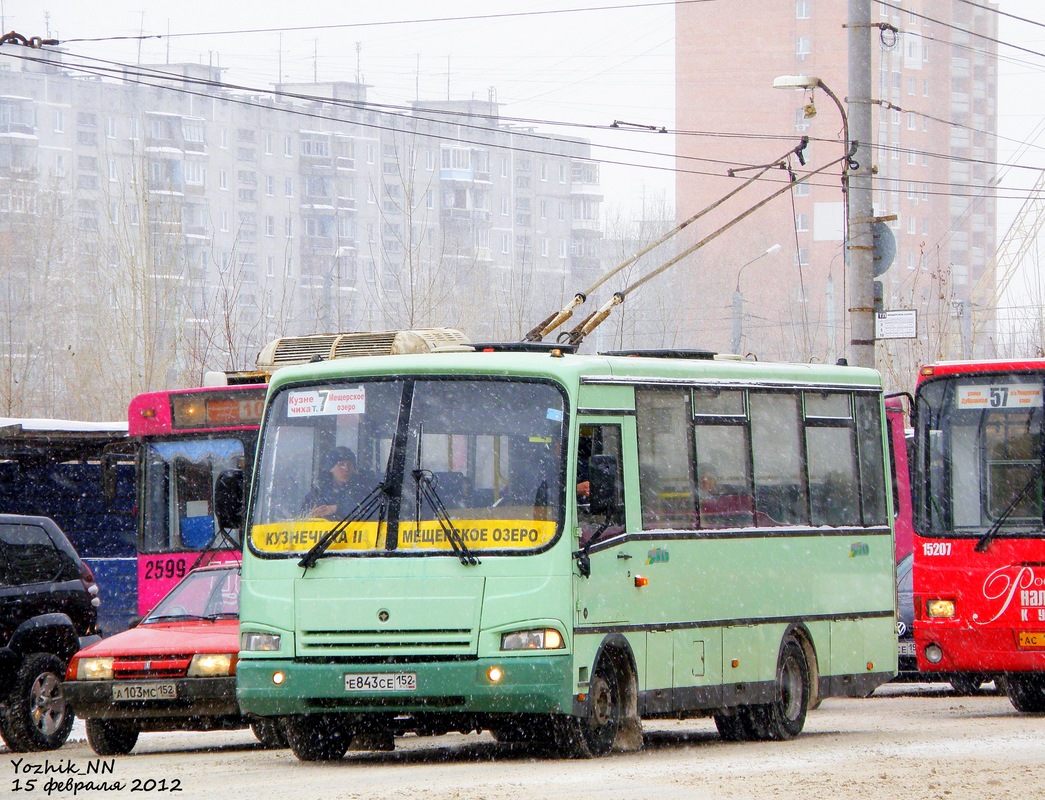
802	9
195	173
270	225
801	222
802	48
223	179
288	187
224	221
288	226
59	121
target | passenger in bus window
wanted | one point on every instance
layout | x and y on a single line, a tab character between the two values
339	488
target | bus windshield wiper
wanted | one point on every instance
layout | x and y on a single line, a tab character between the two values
985	540
426	490
363	510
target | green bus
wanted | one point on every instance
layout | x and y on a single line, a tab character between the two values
553	547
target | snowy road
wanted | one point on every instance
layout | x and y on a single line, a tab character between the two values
907	741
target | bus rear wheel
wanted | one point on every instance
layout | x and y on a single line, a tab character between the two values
785	716
317	737
1026	691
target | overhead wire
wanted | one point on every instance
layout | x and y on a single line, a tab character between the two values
384	23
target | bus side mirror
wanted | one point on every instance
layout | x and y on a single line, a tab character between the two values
228	499
602	483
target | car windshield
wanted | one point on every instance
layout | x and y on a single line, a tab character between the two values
203	594
411	467
980	456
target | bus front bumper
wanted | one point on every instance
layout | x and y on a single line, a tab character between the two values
527	685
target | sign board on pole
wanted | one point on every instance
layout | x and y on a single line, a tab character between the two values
896	324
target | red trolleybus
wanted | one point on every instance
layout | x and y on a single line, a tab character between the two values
188	437
979	549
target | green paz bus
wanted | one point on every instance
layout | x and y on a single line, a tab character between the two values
553	546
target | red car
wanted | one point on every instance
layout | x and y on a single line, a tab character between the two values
176	670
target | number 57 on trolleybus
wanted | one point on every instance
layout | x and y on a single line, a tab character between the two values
979	549
553	547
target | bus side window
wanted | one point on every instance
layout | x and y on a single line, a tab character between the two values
666	481
599	440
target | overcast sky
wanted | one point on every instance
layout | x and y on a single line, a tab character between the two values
587	67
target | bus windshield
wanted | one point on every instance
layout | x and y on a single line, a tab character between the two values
980	456
411	467
178	491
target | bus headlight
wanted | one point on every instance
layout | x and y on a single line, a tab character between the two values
211	665
94	669
259	642
544	639
940	609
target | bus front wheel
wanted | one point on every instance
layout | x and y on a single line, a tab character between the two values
1026	691
317	737
594	735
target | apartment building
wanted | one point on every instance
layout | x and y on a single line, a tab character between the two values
242	216
934	118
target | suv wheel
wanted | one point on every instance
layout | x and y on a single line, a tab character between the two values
37	718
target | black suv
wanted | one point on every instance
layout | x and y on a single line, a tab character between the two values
48	611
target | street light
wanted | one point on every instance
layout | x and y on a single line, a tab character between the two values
856	193
738	302
809	83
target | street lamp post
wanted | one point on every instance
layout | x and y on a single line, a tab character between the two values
737	332
856	189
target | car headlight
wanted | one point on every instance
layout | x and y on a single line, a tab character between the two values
259	642
940	609
94	669
211	665
544	639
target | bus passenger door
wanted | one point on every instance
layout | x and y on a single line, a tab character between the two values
601	597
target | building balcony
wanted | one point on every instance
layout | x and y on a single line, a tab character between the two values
459	175
586	227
